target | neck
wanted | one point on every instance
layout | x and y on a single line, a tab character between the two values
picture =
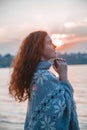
51	60
44	59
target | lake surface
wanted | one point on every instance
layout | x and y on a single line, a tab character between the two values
12	114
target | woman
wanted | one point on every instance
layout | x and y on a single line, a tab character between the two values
50	99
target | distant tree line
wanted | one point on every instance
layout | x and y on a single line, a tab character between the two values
72	58
6	60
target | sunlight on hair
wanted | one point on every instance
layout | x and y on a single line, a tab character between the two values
56	40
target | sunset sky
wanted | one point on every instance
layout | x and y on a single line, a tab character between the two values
64	19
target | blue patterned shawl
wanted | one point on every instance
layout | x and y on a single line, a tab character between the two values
51	105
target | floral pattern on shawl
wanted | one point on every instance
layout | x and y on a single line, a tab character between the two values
50	108
39	77
47	124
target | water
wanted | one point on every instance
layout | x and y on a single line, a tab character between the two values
12	114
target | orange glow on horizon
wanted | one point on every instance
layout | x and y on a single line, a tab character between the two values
56	40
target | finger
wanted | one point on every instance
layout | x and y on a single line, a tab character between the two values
55	68
61	59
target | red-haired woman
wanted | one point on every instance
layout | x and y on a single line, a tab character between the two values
50	99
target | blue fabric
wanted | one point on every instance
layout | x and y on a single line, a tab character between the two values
51	105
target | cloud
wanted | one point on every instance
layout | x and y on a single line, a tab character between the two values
82	48
13	34
74	39
71	41
78	28
17	33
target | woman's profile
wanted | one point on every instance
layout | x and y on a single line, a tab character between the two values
50	99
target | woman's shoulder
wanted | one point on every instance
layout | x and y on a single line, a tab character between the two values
45	75
45	79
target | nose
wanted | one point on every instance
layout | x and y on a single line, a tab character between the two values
53	46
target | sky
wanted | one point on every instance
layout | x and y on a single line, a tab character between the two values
66	20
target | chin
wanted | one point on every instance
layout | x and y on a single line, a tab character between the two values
52	57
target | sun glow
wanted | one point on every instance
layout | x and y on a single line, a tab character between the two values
56	40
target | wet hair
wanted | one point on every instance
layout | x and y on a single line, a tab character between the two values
24	65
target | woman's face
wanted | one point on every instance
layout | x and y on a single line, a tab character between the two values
49	49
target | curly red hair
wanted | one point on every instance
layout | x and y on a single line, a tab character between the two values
24	65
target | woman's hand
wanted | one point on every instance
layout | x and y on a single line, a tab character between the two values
60	66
